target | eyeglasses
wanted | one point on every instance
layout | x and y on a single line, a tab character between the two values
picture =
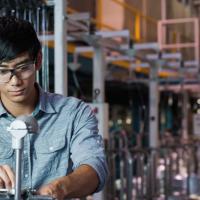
22	71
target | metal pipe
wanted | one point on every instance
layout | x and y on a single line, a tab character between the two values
45	51
129	175
60	50
98	75
18	175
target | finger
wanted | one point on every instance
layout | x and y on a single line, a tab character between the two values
47	190
4	176
44	191
10	174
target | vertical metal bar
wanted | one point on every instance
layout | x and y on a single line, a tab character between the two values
60	50
197	43
121	194
98	75
159	33
149	184
99	13
163	17
45	51
153	107
137	27
153	173
37	27
189	177
129	175
166	176
144	23
18	175
185	115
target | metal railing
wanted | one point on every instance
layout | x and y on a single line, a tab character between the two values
165	173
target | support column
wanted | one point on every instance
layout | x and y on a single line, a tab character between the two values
60	50
144	22
98	75
153	107
185	115
99	100
164	17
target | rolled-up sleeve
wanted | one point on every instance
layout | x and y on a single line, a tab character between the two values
87	146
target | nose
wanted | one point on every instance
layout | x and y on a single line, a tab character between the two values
14	80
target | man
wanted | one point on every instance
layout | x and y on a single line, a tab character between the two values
66	159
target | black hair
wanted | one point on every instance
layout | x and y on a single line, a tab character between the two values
17	36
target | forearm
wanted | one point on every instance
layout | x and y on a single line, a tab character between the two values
82	182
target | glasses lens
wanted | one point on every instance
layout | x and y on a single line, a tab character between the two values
25	71
4	75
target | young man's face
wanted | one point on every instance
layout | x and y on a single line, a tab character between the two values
18	85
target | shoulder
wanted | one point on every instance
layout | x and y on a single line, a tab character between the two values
70	104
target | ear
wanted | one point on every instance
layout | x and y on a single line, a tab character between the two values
38	61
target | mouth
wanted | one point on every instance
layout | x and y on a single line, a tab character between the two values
17	92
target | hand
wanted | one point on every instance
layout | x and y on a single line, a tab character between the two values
53	189
7	177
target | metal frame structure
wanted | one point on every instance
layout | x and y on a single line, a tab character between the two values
162	36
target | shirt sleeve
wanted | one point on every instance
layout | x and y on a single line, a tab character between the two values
87	146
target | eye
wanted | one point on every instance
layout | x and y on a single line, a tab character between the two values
23	67
4	72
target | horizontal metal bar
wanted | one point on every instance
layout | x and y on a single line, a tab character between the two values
175	21
108	34
177	45
164	56
118	58
79	16
188	63
147	46
80	26
83	49
44	38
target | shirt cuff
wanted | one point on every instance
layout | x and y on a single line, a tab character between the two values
101	169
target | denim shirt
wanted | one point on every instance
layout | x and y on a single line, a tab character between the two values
68	138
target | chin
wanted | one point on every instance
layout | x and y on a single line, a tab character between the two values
18	99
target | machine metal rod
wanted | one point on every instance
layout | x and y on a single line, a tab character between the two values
18	175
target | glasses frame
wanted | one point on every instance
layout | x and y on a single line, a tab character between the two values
13	72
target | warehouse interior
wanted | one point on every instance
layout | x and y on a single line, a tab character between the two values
137	63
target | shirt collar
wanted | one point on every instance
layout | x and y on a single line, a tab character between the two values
45	103
2	109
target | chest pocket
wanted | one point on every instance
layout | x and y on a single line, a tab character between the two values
7	155
48	154
50	145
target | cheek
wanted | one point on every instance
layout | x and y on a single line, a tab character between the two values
29	82
2	88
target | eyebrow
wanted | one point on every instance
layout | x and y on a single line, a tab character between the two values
20	63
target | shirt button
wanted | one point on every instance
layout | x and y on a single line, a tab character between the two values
51	148
26	175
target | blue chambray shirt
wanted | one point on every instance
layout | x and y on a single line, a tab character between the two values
68	138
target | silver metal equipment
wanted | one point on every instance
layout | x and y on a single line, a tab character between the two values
19	128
